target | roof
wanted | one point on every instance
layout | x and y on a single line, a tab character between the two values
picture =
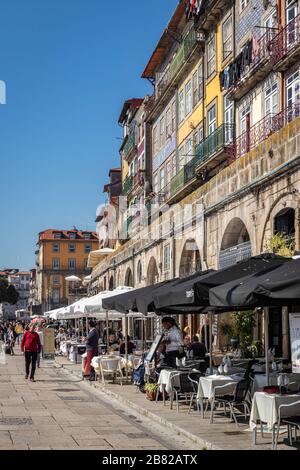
165	41
133	103
49	234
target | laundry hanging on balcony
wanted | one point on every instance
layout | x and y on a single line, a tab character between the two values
193	8
232	74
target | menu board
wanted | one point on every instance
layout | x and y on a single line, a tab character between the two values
49	343
295	341
154	347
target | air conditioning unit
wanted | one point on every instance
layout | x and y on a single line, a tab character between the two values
200	36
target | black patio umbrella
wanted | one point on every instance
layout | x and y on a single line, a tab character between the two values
137	300
193	294
247	292
281	286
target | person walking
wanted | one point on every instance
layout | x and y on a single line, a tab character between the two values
91	348
30	346
19	331
11	339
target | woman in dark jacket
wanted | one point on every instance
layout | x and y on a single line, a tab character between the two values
91	348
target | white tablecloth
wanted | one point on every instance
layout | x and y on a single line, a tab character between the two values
132	361
265	407
164	380
208	384
260	381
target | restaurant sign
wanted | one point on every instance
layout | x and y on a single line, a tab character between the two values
295	341
49	343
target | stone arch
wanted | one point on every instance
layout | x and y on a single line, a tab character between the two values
285	202
139	272
152	272
236	243
128	278
190	260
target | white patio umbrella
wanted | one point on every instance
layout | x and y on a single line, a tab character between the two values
73	279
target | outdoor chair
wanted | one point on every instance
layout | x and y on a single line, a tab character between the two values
234	397
194	378
111	367
183	392
288	415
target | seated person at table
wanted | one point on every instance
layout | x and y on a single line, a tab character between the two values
198	349
130	346
113	343
187	341
61	336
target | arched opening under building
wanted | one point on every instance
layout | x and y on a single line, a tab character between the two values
190	261
236	244
152	272
111	283
284	223
129	278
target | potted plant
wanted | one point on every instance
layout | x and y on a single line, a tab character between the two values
151	390
243	324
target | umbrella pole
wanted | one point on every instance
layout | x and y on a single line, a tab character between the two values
210	343
107	334
126	346
266	326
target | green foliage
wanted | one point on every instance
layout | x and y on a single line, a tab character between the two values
281	245
226	330
8	293
243	324
151	388
257	348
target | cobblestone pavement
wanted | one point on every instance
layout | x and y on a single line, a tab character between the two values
60	412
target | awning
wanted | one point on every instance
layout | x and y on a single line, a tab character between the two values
96	256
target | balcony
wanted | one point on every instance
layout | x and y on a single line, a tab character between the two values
260	66
212	149
232	255
177	182
127	185
267	126
129	146
138	179
285	50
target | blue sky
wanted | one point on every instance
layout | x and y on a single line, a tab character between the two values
68	66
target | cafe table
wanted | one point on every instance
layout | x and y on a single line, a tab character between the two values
169	378
265	408
207	385
260	381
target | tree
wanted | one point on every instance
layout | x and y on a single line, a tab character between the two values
8	293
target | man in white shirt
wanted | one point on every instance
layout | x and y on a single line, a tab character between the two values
173	340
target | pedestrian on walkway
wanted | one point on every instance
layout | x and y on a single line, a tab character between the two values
19	331
11	339
91	348
30	346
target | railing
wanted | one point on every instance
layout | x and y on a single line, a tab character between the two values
267	126
127	185
130	144
232	255
217	140
261	52
177	182
138	179
285	40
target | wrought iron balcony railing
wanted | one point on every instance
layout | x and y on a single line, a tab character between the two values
129	146
127	185
286	41
236	253
267	126
177	182
220	138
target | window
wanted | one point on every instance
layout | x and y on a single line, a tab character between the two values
271	99
245	116
57	235
87	248
227	37
195	89
155	140
169	124
87	236
72	248
72	263
55	248
181	158
167	257
55	263
181	106
72	236
211	120
161	179
200	81
168	171
211	56
155	183
271	24
293	95
243	4
173	116
189	148
162	132
188	98
228	119
56	280
55	296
